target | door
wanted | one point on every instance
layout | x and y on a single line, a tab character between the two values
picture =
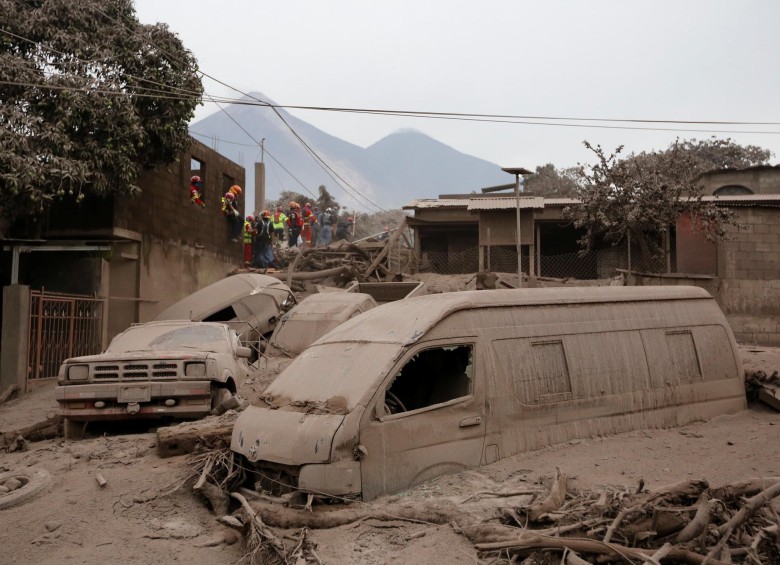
428	418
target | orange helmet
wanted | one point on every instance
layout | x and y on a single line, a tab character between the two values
250	218
235	189
266	213
195	180
294	204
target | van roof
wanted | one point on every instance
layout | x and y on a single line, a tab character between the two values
405	321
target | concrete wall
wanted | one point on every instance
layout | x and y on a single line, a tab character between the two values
164	209
760	180
15	336
748	283
185	268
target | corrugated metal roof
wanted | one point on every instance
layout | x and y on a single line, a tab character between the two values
405	321
561	201
505	203
743	199
422	203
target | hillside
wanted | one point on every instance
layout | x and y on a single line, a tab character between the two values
402	166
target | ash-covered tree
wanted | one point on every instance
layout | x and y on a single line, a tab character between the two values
645	193
551	182
326	200
89	97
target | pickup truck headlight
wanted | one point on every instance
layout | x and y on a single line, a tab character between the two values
78	372
195	370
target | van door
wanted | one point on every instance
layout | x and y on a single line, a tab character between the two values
426	420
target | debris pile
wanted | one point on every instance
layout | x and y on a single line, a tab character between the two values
764	388
686	522
373	257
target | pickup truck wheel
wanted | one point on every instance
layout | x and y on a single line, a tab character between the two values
23	484
219	395
73	430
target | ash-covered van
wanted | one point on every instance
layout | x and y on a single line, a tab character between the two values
315	316
426	386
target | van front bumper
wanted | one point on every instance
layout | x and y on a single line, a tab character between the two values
123	400
340	478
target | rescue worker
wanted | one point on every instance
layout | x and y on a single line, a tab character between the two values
326	226
280	224
231	213
196	188
294	224
315	227
264	241
308	222
344	231
249	238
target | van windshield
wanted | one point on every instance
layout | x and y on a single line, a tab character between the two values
332	370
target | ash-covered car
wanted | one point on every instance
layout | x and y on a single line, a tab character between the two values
250	303
175	369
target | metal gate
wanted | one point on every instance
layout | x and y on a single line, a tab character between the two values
61	326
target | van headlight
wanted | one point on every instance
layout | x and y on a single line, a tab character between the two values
195	370
78	372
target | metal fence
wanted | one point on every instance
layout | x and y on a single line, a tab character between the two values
597	264
61	326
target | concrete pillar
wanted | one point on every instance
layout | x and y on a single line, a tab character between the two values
14	347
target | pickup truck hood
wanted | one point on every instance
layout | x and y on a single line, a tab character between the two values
286	437
136	355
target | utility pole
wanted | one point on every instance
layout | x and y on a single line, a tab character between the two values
517	171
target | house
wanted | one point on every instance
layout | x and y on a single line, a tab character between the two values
96	267
473	233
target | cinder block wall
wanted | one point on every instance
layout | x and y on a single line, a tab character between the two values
749	272
748	283
164	210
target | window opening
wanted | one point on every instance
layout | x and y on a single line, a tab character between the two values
552	371
224	315
432	376
683	354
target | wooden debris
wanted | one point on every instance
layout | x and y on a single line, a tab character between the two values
209	433
764	388
46	429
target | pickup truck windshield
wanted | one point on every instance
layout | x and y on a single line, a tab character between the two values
199	337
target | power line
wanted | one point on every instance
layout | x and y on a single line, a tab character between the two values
354	192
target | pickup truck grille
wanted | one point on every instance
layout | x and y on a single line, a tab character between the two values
137	371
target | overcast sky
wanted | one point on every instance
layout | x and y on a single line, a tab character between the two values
692	60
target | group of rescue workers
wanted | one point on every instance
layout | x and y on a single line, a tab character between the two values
305	226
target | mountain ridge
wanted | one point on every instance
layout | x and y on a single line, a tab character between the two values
401	166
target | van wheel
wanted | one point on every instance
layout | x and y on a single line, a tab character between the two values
26	483
73	430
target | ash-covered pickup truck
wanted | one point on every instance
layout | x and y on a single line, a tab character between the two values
176	369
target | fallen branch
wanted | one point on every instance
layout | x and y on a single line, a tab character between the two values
531	541
749	508
553	501
699	523
324	518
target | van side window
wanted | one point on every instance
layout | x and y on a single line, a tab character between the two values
224	315
432	376
552	372
682	352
